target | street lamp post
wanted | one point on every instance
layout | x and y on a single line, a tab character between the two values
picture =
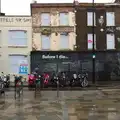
93	45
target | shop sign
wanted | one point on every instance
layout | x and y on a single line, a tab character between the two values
54	57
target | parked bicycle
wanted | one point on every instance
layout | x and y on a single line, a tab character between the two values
74	80
18	86
54	79
83	79
2	87
5	79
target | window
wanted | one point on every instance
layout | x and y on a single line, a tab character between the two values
90	41
17	38
110	41
90	19
45	42
110	19
64	19
14	61
45	19
64	41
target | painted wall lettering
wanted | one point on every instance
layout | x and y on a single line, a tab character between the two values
15	19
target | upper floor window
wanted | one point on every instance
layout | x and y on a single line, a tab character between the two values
17	38
45	39
64	40
64	19
110	18
110	41
90	19
90	41
45	19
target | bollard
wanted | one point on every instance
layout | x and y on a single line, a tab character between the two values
15	90
57	88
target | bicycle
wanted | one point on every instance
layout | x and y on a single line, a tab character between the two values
2	88
83	79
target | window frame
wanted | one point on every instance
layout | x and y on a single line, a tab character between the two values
11	45
16	64
49	40
112	34
67	19
41	18
107	20
67	34
92	18
92	41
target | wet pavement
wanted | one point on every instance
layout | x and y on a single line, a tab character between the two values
71	105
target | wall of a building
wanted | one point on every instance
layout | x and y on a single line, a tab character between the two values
13	23
55	39
82	29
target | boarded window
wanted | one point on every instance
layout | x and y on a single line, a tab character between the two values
45	42
110	41
110	19
14	61
17	38
90	41
90	19
64	19
45	19
64	41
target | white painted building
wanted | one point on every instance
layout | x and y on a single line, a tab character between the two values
15	42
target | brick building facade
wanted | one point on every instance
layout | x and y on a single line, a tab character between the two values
53	26
107	26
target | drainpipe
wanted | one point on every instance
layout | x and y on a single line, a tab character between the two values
93	47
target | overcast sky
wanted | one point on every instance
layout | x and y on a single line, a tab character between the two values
22	7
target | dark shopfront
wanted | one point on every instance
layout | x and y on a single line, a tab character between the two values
107	63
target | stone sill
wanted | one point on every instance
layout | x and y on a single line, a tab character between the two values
17	46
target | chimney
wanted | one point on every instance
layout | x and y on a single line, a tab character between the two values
117	1
76	3
1	14
34	1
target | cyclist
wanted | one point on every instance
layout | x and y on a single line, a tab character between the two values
18	85
37	76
